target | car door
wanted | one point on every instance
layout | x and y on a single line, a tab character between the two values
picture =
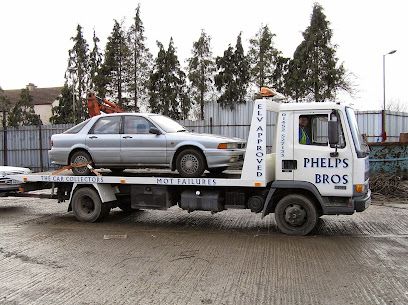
103	140
138	145
332	175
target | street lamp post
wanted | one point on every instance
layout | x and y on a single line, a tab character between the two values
383	133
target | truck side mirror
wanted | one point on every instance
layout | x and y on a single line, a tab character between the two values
333	132
154	130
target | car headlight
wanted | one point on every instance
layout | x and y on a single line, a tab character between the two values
227	146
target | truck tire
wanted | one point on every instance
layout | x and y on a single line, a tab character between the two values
296	215
190	163
87	205
80	156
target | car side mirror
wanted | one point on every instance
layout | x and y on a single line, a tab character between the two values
333	133
154	130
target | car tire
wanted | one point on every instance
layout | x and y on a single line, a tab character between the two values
81	156
296	215
190	163
217	170
87	206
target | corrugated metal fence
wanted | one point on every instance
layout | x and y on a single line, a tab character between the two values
27	146
370	123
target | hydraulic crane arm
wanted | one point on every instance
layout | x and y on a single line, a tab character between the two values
97	105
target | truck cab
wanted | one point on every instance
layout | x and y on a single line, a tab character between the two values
319	155
337	169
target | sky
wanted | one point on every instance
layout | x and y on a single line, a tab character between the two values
35	36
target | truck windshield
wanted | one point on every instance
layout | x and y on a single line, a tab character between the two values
361	147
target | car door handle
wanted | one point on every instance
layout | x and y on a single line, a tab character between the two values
127	137
93	137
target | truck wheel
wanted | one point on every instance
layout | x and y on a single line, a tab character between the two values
87	205
190	163
296	215
80	156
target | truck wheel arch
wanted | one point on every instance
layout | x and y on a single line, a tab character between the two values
279	189
105	192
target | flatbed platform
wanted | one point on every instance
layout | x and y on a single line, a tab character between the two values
143	176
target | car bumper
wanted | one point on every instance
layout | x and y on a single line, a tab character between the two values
224	158
5	187
363	202
59	157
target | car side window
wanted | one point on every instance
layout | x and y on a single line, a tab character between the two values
136	125
77	128
107	125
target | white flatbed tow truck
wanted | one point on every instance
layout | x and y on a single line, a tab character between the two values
299	181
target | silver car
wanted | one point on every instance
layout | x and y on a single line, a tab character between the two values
134	140
7	184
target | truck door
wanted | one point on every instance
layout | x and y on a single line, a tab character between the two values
330	174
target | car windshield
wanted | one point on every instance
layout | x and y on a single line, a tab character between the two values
361	147
77	128
167	124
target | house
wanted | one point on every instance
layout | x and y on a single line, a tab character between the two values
43	99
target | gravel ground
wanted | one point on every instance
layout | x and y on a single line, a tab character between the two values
172	257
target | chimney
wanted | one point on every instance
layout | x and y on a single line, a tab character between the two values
31	87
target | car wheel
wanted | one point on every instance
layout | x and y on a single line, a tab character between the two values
296	215
217	170
190	163
81	156
87	205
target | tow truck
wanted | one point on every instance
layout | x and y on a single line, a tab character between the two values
297	182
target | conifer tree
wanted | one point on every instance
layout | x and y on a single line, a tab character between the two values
278	75
95	62
63	112
77	74
4	101
156	84
22	113
201	67
5	106
316	66
167	89
295	78
140	63
233	76
262	57
114	68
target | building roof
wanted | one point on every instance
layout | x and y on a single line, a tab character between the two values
41	96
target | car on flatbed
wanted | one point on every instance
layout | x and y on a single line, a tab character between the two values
133	140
